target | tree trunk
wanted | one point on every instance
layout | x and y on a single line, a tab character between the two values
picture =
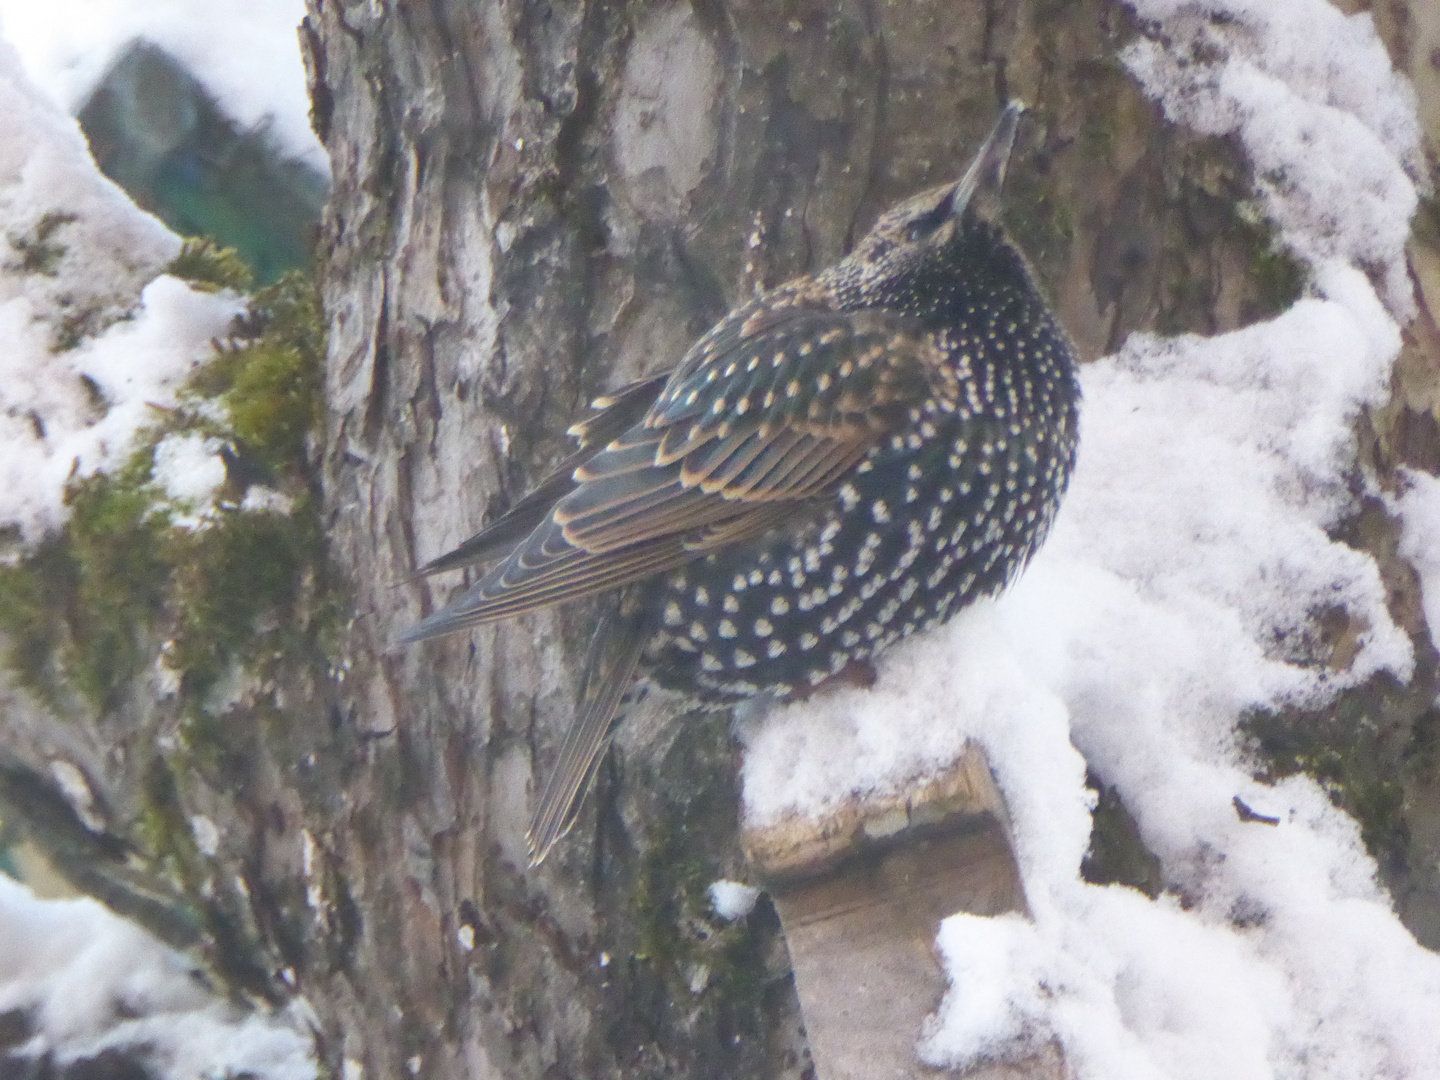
534	202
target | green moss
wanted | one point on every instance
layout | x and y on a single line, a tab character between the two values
121	572
162	828
229	576
269	375
85	610
681	941
1357	750
1117	854
1103	84
1426	224
208	266
32	595
1216	232
1041	223
75	610
1277	277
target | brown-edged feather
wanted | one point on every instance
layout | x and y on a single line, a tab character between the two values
809	391
616	412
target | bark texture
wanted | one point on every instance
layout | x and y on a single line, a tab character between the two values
533	202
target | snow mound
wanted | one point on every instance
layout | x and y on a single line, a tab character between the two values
247	52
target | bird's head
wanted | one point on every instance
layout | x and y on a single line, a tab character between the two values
928	225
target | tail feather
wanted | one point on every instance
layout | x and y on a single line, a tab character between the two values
610	667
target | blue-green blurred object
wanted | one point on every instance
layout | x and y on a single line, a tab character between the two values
156	131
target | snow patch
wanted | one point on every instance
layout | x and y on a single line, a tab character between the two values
1419	509
999	998
90	349
1328	124
190	470
68	415
91	981
260	499
731	900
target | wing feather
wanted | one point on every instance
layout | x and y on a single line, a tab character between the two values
763	414
618	412
610	666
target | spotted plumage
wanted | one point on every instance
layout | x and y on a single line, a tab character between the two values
841	462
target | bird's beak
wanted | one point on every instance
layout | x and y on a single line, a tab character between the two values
987	171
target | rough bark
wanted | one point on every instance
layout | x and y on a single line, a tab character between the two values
533	202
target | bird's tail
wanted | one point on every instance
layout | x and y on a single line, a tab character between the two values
610	667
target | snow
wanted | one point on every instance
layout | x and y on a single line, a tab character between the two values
67	412
731	900
997	965
1330	127
260	499
90	981
1419	509
246	52
190	471
1178	591
52	427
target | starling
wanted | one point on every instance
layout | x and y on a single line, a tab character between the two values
845	460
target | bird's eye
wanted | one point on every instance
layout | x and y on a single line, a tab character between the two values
920	229
930	220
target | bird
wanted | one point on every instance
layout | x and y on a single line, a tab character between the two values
849	458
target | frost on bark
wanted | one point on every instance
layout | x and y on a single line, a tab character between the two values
533	202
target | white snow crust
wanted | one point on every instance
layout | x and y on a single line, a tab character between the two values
732	900
190	471
246	52
1179	590
1419	510
91	982
65	413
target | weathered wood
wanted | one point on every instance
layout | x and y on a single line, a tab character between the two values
861	893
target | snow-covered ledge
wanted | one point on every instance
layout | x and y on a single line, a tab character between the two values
862	891
1176	594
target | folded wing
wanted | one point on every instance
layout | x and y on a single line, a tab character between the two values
764	414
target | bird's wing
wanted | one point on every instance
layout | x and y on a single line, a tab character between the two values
788	406
765	413
617	411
